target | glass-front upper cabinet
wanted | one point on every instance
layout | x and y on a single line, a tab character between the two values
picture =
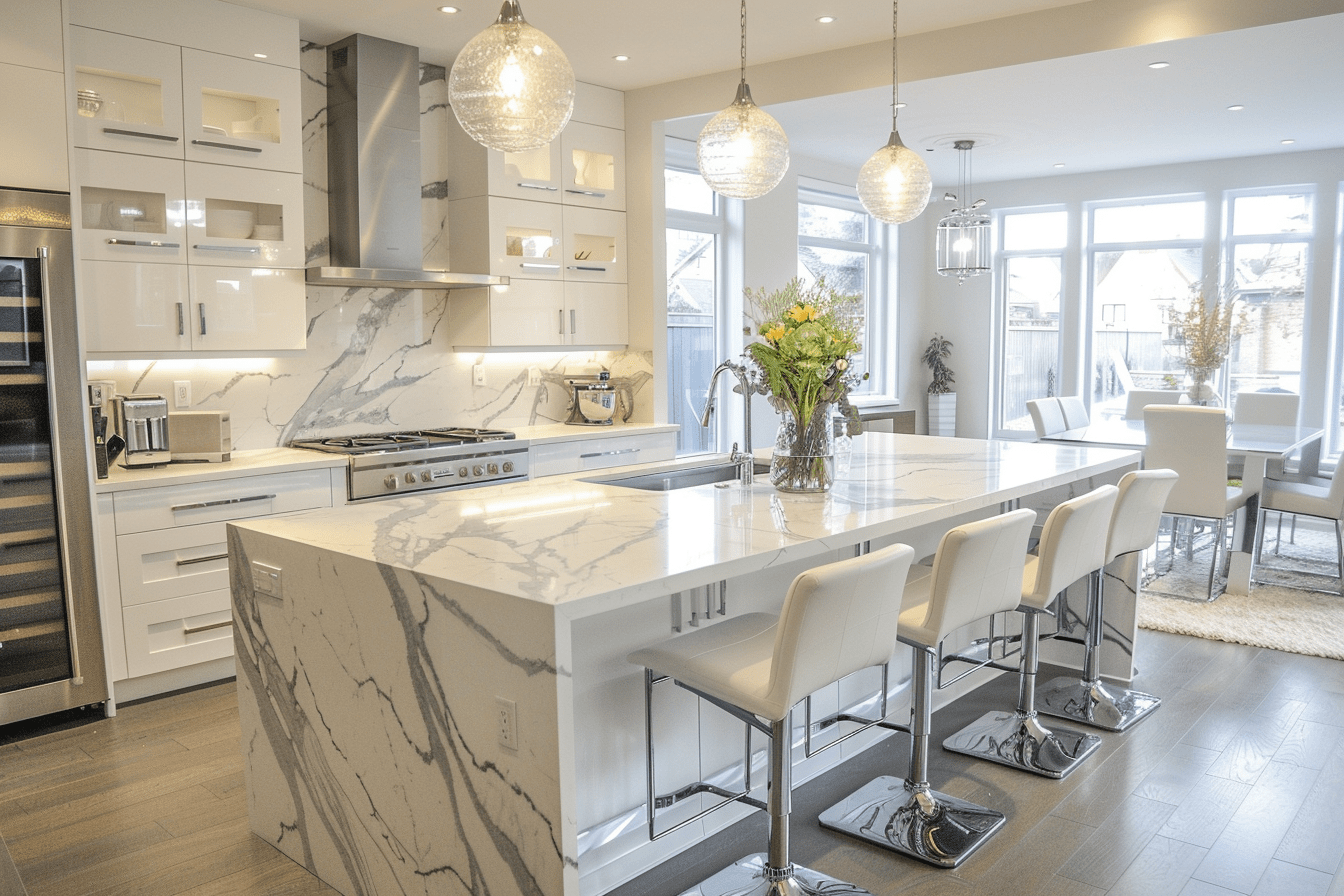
593	162
128	94
244	218
240	112
132	208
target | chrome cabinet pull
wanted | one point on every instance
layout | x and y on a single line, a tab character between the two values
146	244
571	322
546	187
585	267
181	320
122	132
227	248
221	503
226	146
201	309
193	629
562	322
539	265
193	560
610	453
593	193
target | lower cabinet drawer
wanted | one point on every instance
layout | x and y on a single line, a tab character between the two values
170	634
598	454
166	507
167	563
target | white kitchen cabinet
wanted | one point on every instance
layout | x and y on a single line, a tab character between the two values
132	208
592	161
593	246
597	314
138	107
240	112
243	218
540	314
134	307
247	309
171	588
616	450
33	83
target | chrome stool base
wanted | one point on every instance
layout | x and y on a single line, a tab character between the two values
1019	741
747	877
921	823
1095	704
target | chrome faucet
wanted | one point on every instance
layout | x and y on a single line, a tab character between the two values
743	459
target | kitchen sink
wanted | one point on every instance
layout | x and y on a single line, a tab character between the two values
683	477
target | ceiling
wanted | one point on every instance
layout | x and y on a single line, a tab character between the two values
1121	113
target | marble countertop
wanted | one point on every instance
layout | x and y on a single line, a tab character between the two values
589	546
563	432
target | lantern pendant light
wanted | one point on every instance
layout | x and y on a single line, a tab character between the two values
742	152
894	184
963	236
511	87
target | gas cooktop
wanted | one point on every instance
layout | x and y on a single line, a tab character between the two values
403	441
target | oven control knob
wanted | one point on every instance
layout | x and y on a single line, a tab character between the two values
493	469
462	472
508	466
477	471
410	479
426	476
391	482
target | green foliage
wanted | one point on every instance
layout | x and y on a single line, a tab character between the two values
936	354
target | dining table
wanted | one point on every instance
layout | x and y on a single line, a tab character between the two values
1263	448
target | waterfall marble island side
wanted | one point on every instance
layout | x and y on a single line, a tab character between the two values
376	641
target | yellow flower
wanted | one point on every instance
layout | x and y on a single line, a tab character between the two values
803	313
775	333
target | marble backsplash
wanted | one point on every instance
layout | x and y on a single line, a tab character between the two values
378	359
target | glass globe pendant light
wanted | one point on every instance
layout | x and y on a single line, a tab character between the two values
511	87
742	152
894	183
963	236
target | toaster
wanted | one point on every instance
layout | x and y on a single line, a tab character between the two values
200	435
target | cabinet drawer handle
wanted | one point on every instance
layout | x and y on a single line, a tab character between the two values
221	503
122	132
29	542
147	244
571	322
194	629
181	320
561	331
585	267
610	453
546	187
226	248
593	193
193	560
200	309
544	267
226	146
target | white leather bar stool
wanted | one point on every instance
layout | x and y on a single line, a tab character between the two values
1134	522
837	619
1073	543
976	573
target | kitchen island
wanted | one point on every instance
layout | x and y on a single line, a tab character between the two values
433	691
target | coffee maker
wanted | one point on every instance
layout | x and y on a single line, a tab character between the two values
142	422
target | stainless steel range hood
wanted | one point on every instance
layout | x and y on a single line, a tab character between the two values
373	170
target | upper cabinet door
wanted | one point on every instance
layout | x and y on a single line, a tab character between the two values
240	112
129	94
525	239
132	208
535	174
247	309
594	246
244	218
593	159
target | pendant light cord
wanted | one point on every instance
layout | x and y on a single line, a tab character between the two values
744	41
894	96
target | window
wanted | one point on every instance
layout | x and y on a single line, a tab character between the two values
839	241
695	230
1030	286
1144	259
1266	257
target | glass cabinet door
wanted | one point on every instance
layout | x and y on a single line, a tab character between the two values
132	208
534	174
128	94
240	112
594	245
525	239
243	217
593	159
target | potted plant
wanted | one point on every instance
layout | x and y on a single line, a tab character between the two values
942	397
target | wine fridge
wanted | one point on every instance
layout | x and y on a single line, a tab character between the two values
51	649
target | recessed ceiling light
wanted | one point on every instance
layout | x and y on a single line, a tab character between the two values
826	20
1288	141
621	58
1059	164
1235	107
1158	64
448	9
259	55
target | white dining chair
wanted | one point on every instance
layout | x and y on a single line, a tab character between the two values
1138	399
1267	409
1047	416
1075	412
1193	441
1323	503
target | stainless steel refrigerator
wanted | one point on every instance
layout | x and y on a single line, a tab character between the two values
51	646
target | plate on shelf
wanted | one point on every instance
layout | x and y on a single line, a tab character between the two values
211	129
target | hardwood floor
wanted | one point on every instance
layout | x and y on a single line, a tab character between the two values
1234	786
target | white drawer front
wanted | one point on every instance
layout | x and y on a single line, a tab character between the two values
598	454
229	499
170	634
162	564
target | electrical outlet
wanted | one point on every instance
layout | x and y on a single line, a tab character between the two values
478	374
181	394
506	723
534	376
266	579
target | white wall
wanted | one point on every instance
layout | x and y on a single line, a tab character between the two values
963	313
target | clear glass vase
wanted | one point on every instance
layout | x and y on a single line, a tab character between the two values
804	460
1199	385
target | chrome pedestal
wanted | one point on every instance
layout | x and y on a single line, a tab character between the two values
918	822
1018	740
747	877
1094	703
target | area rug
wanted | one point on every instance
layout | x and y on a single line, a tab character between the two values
1281	616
